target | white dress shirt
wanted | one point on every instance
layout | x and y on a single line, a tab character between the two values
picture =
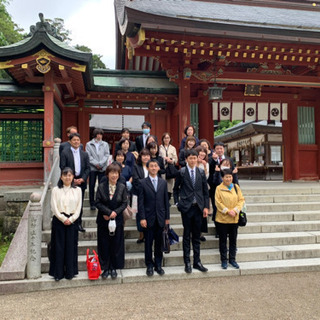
77	161
67	200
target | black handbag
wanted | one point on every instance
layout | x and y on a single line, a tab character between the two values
165	245
171	171
242	215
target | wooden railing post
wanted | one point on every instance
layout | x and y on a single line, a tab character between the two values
34	237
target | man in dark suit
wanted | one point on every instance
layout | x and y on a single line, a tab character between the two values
67	144
141	140
78	161
153	211
192	198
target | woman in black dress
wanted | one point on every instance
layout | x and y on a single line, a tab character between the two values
111	200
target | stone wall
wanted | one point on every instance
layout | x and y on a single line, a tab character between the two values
15	204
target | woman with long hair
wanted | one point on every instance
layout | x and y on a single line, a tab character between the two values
169	154
140	171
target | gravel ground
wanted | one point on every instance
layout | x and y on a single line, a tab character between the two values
277	296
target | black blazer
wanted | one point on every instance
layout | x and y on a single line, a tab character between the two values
67	160
67	145
212	169
183	191
153	205
137	175
105	205
139	143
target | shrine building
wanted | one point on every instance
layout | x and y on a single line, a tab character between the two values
178	62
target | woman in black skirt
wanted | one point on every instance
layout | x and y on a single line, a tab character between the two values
66	201
111	200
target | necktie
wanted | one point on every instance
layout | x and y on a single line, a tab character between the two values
192	178
154	181
220	159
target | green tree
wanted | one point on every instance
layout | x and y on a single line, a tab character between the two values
9	31
58	23
96	58
224	125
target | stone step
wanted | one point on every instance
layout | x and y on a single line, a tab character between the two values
284	207
244	240
175	218
279	198
209	256
46	282
131	232
283	189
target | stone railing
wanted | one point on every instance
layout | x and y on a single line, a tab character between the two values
40	217
24	253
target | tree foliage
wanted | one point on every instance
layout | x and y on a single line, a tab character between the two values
58	23
224	125
9	31
96	58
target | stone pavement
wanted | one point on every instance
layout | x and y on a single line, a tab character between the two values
276	296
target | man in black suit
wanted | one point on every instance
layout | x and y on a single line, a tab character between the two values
153	211
78	161
192	198
141	140
67	144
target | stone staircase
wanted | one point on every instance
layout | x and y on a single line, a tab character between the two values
282	235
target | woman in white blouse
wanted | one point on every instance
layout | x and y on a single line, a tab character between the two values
169	153
66	200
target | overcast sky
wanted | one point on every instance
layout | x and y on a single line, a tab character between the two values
91	22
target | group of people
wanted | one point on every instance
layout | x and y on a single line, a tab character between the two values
137	178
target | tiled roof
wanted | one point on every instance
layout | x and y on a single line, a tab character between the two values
225	13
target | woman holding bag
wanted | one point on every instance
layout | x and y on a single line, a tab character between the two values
169	153
66	202
111	200
229	202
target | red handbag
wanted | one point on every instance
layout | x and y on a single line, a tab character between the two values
93	266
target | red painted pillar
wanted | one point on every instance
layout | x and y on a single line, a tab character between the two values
48	89
205	118
287	151
294	156
183	107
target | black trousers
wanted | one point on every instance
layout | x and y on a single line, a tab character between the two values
92	182
192	221
225	230
64	250
83	189
151	234
110	248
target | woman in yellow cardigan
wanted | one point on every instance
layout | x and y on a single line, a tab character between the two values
229	203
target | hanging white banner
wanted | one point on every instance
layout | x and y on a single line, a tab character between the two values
250	111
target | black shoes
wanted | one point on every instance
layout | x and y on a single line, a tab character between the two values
200	267
149	271
159	271
187	267
140	240
113	274
234	264
93	208
203	239
224	265
105	274
80	228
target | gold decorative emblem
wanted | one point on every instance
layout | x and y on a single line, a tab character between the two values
43	64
